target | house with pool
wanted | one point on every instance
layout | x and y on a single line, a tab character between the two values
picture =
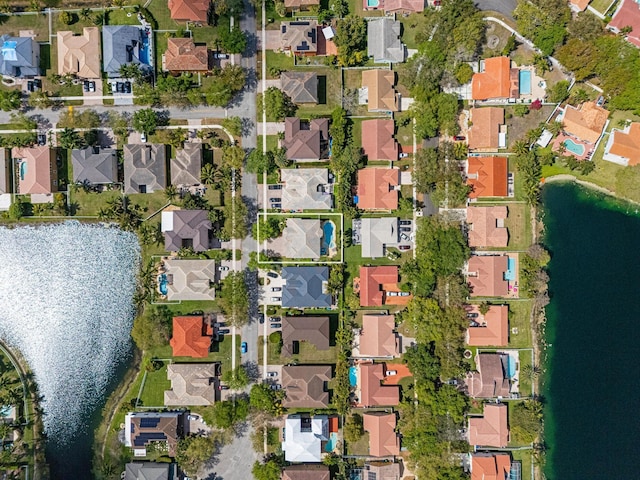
37	172
493	275
395	6
500	80
582	128
306	438
180	280
493	375
126	45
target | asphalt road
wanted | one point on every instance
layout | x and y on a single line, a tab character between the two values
234	461
505	7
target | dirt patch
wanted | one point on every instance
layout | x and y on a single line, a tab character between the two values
517	127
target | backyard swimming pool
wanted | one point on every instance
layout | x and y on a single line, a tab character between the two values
353	376
525	82
512	365
23	170
331	444
574	147
373	3
162	283
510	274
328	228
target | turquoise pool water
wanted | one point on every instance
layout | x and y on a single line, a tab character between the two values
162	283
511	366
525	82
328	229
373	3
331	444
574	147
5	410
23	170
353	376
510	274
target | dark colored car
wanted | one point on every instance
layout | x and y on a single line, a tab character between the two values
37	82
224	331
276	325
30	86
405	229
275	187
275	200
404	247
272	274
127	87
459	138
405	222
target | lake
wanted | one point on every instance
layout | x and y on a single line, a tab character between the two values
591	385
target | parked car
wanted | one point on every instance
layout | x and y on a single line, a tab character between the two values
221	56
243	347
404	294
276	299
275	187
459	138
261	317
42	139
272	274
92	86
276	325
390	373
404	247
405	229
85	85
600	101
403	155
276	386
274	319
276	205
37	83
275	200
405	222
143	137
392	294
114	87
223	268
272	374
224	331
127	87
120	87
404	237
276	289
223	387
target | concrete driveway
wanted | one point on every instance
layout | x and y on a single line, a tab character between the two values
265	290
505	7
89	96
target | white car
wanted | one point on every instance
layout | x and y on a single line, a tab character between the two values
272	374
390	373
223	268
143	137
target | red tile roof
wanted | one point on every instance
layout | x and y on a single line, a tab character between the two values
627	15
491	430
372	283
490	467
372	392
484	133
191	337
383	440
493	329
494	81
377	140
183	55
38	172
375	188
626	144
486	226
191	10
377	338
486	275
487	176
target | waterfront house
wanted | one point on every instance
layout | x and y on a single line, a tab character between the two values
191	384
186	229
490	466
486	275
145	167
144	428
491	429
490	328
490	379
95	165
486	226
190	279
191	337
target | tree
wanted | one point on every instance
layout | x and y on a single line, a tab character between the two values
558	92
39	99
235	219
233	157
353	428
207	174
266	229
336	279
69	138
233	125
525	421
271	470
258	162
120	124
152	328
145	121
227	82
227	414
234	40
10	100
351	40
17	209
192	452
85	13
464	72
234	299
520	110
277	104
264	399
67	17
174	137
585	27
132	71
339	8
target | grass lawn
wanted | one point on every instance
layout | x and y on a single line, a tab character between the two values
91	203
519	226
525	458
273	358
525	380
159	46
361	447
220	352
75	27
151	202
309	354
119	16
412	26
37	22
520	318
517	127
494	30
404	129
160	11
154	386
329	92
602	5
278	60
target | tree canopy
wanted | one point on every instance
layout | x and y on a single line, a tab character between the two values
234	298
351	40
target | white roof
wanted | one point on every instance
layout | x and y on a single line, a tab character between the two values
328	33
305	445
167	222
545	138
376	233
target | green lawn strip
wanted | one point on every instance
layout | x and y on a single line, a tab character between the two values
310	354
151	202
160	46
273	358
519	317
412	25
524	380
278	60
75	27
526	459
602	5
121	16
160	11
38	23
361	447
154	387
88	204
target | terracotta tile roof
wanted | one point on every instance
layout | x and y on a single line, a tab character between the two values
626	144
399	6
378	142
484	131
486	275
377	336
372	283
493	328
314	330
190	10
383	440
183	55
489	381
494	81
382	96
627	15
191	337
488	176
80	54
586	122
485	466
372	392
487	226
580	5
306	386
38	172
306	472
375	188
491	430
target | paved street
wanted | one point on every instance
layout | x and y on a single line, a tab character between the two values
233	462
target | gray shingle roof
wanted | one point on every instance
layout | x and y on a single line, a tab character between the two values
95	165
383	43
306	189
147	471
376	233
121	45
186	167
5	171
145	168
302	87
314	330
19	56
305	287
191	225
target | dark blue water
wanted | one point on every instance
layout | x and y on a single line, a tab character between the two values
592	384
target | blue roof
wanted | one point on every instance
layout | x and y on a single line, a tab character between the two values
305	287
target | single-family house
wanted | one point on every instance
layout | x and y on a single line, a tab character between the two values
5	171
306	386
370	390
79	54
490	379
378	188
191	337
306	472
189	279
190	10
383	470
379	85
488	176
306	189
186	229
490	466
183	55
496	80
150	471
578	5
383	439
486	275
37	171
486	226
302	238
490	329
383	40
298	329
491	429
627	14
486	132
378	142
377	337
192	384
299	38
301	87
585	122
395	6
374	283
145	167
305	437
300	5
187	165
305	287
623	146
95	165
376	234
124	45
306	141
19	57
143	428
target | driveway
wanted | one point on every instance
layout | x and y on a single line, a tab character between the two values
89	96
505	7
234	461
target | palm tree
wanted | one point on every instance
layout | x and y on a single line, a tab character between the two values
85	13
520	147
170	192
207	174
555	127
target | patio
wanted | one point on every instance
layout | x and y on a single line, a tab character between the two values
572	146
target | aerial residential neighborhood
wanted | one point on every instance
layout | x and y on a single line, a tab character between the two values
340	268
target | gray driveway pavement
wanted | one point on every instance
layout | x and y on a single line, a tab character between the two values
234	461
